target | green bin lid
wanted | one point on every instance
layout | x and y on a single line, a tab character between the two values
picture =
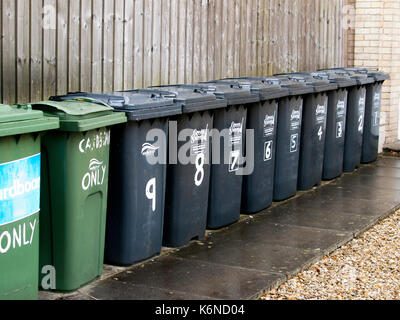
81	114
21	119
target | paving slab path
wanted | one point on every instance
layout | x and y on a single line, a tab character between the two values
259	253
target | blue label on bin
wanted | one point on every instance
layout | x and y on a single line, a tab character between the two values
19	189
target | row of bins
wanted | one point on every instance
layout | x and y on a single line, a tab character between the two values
189	158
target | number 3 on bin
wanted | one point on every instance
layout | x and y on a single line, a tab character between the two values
151	193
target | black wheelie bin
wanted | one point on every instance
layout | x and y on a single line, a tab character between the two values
262	118
290	114
354	118
372	113
224	206
188	177
313	131
138	167
336	125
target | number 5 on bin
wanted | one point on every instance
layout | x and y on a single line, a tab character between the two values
294	141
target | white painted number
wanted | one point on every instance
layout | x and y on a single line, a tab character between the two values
151	192
361	123
234	161
320	133
268	151
339	130
376	118
294	142
199	176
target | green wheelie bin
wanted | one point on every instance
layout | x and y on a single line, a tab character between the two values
20	156
75	168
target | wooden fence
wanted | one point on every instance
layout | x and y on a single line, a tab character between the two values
53	46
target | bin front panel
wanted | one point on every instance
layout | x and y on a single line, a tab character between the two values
258	186
188	182
225	184
76	171
372	123
312	140
136	191
19	216
354	128
335	134
288	147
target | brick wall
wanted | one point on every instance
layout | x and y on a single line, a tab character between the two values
374	42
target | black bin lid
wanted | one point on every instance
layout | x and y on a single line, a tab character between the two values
319	83
137	106
379	76
267	90
361	78
295	88
233	94
191	99
342	81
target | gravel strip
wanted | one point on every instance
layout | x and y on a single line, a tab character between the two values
367	268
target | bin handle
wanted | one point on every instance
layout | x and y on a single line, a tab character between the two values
92	100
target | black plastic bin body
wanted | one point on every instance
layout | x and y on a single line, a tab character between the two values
372	113
262	118
336	125
135	210
187	194
313	131
354	118
288	137
224	206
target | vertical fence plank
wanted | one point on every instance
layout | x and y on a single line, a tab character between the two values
259	37
189	43
156	46
265	37
73	47
217	40
128	44
23	17
204	40
249	38
321	34
49	57
86	46
294	35
224	38
211	42
118	43
243	39
231	38
165	35
196	41
138	52
317	29
108	47
173	58
61	50
253	37
181	41
9	58
148	31
236	47
97	46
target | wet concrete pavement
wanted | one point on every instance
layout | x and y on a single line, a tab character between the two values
259	253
